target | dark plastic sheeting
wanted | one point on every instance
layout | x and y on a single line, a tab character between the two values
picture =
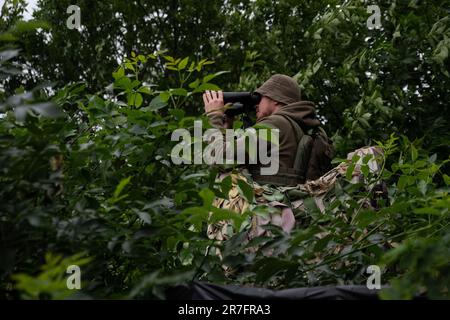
207	291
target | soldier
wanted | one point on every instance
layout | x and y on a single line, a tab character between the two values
305	151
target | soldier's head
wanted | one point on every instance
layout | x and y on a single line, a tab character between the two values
266	107
279	90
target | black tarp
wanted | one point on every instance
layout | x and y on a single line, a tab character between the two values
208	291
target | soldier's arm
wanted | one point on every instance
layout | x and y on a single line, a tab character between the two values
214	108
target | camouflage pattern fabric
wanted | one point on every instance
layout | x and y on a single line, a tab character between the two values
283	200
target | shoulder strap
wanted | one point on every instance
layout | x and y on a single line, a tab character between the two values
303	152
322	152
304	146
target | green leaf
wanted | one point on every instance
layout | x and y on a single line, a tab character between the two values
446	179
422	185
179	92
366	217
180	198
178	114
219	214
365	170
164	96
123	183
350	170
245	190
6	55
8	37
198	215
194	84
321	244
226	185
135	99
47	109
414	153
144	216
394	254
269	267
172	242
169	58
275	196
183	63
157	103
31	25
212	76
364	122
207	86
119	73
129	66
432	158
207	196
145	90
405	181
427	211
317	35
124	83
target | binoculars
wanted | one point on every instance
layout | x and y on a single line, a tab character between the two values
242	102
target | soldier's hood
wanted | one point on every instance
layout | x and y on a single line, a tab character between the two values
303	112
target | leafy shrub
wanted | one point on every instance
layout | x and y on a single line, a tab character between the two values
86	176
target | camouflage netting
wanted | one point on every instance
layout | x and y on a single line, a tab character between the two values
286	202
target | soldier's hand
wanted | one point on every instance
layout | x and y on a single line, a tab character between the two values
213	101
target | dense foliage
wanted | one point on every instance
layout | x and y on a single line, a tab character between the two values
86	120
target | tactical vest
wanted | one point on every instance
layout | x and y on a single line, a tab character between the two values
312	160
